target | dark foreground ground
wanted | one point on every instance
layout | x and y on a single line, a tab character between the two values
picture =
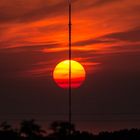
30	130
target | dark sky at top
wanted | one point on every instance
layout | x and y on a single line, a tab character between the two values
34	38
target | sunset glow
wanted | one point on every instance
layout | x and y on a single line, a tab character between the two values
35	49
61	74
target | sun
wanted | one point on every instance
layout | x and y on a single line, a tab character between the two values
61	74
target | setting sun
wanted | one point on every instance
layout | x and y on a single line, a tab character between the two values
61	74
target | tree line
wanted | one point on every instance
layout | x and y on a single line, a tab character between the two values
30	130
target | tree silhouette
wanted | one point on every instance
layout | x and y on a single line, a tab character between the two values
31	130
61	130
4	126
7	132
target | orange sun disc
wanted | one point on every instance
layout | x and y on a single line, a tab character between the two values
61	74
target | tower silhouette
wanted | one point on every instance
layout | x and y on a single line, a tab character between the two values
70	57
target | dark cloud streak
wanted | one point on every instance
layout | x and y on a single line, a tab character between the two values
8	14
130	35
103	2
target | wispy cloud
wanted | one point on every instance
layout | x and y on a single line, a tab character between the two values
39	27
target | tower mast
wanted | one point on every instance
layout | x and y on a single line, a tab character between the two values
70	57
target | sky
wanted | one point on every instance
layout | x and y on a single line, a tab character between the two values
105	40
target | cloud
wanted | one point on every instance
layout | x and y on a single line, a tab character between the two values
24	11
124	41
31	48
103	2
31	10
90	42
130	35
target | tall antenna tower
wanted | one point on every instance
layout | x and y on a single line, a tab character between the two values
70	57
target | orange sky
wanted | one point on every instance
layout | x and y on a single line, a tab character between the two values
98	26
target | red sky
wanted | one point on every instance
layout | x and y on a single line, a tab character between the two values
106	40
